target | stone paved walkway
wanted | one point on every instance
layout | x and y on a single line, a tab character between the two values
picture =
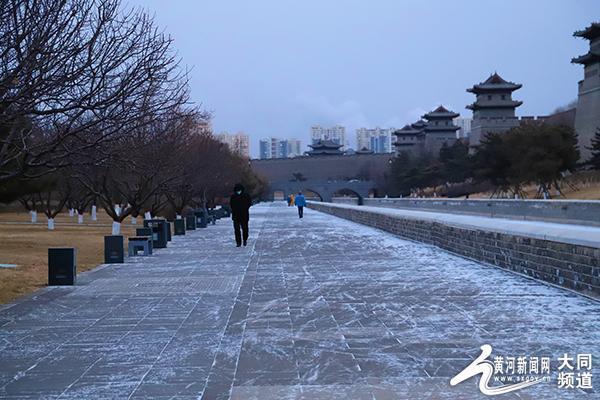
318	308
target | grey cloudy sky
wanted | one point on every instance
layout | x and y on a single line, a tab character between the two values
276	67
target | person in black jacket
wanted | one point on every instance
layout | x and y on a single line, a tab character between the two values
240	203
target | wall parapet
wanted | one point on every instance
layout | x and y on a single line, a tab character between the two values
570	263
562	211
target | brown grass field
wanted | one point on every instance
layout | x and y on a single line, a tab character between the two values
26	245
580	186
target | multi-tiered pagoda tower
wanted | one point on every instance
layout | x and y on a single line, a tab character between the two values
587	116
406	138
325	148
440	129
494	108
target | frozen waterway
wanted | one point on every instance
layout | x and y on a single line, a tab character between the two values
318	308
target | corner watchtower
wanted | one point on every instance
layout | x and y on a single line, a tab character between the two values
587	116
494	107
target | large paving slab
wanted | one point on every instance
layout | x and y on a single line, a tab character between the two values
318	308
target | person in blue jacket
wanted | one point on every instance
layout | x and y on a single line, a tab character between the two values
300	202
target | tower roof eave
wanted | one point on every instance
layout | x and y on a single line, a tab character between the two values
432	116
412	132
420	124
325	144
591	32
440	113
588	58
494	83
478	106
483	88
434	128
404	144
327	152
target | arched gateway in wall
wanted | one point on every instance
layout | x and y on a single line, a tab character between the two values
324	175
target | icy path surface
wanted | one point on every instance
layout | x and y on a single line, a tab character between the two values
318	308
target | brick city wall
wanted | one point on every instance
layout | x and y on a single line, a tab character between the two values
580	212
568	265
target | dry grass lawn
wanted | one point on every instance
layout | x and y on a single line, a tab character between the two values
26	245
581	186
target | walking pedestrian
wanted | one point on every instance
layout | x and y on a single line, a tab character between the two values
292	200
240	203
300	202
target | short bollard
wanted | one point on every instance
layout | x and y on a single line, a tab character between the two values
62	266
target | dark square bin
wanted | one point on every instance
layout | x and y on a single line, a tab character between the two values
114	249
159	232
62	266
179	227
201	218
190	222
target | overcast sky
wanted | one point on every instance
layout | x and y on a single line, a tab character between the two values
277	67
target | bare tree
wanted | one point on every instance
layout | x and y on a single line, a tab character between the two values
135	170
30	204
53	198
76	73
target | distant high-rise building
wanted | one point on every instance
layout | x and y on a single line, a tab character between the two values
363	138
269	148
465	126
587	116
204	126
238	143
265	149
279	148
494	108
335	134
294	148
377	139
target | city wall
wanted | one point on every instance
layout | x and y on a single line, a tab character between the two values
567	264
561	211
